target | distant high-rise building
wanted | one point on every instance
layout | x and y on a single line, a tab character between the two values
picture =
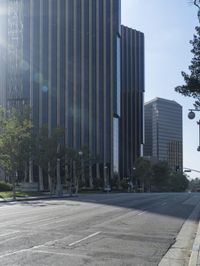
163	132
132	99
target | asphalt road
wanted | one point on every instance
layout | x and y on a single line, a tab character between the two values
114	229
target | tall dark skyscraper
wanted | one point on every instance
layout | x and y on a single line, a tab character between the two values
79	69
132	100
70	72
3	53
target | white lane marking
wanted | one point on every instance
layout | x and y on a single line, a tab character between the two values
58	253
53	222
45	252
83	239
140	213
164	203
42	220
9	239
13	253
29	249
11	233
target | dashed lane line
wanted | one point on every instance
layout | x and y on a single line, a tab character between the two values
83	239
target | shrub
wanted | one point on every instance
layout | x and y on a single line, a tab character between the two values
124	184
5	186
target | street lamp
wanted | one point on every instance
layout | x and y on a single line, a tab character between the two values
191	115
106	181
80	153
134	168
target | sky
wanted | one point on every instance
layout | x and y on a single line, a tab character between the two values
168	26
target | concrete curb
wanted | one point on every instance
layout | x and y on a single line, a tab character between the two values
179	253
195	250
7	200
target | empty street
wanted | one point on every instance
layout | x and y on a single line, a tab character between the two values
99	229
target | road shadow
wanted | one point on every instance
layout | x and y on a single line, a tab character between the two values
178	205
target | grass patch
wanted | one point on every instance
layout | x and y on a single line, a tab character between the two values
9	194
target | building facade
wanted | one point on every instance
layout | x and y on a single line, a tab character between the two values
163	132
78	69
3	51
132	99
69	71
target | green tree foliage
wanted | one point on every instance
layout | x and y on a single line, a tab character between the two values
160	174
191	88
5	187
194	185
15	142
143	173
177	182
77	165
70	162
196	3
158	177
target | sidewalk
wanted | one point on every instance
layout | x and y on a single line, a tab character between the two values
186	248
195	255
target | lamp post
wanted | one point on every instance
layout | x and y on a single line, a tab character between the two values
80	153
106	181
191	115
135	177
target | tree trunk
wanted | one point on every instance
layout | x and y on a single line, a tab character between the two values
105	177
30	171
91	178
49	179
14	186
71	180
77	186
41	183
25	172
58	179
118	181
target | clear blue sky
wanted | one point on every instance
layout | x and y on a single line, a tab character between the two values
168	26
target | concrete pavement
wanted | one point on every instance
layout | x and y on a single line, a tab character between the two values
114	229
195	254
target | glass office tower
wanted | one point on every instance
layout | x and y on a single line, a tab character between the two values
164	132
3	51
71	66
132	100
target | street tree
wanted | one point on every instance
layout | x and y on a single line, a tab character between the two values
143	172
15	142
70	161
177	182
77	165
191	88
194	185
160	175
47	153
